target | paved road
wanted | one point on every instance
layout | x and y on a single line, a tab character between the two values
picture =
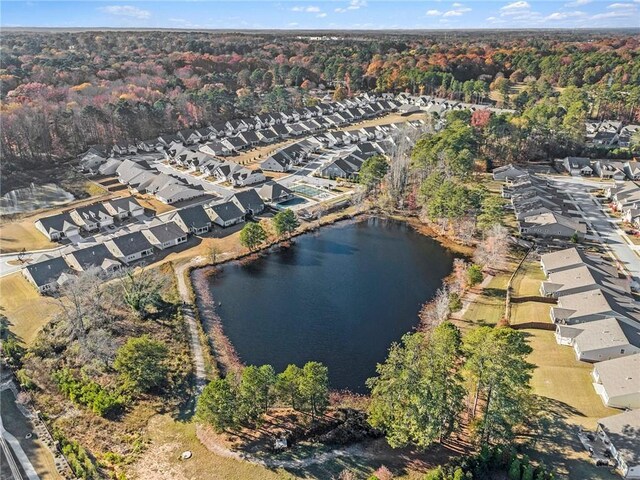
19	453
606	229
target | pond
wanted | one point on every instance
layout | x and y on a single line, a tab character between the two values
340	296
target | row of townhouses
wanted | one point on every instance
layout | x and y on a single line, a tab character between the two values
625	199
597	316
355	146
541	209
228	137
129	244
605	169
593	310
610	133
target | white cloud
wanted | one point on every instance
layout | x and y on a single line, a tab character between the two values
577	3
356	4
321	15
456	13
456	5
293	24
433	13
618	6
309	9
615	14
516	6
353	5
126	11
564	15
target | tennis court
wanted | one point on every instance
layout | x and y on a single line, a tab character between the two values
310	192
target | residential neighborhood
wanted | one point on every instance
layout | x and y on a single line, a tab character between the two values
346	239
592	292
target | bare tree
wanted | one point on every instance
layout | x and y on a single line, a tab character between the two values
398	176
79	298
492	251
214	251
437	311
465	228
459	283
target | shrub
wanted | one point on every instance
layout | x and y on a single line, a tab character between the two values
88	393
141	363
514	470
77	457
455	304
436	474
474	275
527	472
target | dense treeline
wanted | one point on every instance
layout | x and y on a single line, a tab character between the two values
64	91
418	397
235	401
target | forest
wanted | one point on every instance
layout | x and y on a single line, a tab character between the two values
65	91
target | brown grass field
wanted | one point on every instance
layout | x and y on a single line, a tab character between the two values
25	308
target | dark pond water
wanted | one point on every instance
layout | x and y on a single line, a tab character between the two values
340	296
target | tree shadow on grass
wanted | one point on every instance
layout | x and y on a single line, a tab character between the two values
553	441
494	293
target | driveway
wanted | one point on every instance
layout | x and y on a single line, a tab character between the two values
606	229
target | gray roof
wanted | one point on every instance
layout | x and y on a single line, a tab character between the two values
249	200
91	256
124	204
47	271
95	211
166	232
131	243
620	376
194	217
601	334
61	222
585	277
273	190
594	302
226	211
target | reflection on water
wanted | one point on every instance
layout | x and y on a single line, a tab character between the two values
33	197
340	296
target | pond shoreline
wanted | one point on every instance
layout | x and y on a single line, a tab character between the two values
221	347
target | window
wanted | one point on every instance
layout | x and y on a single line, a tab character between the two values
622	351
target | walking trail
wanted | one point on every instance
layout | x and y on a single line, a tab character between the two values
188	311
471	296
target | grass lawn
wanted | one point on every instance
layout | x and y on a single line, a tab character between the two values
569	401
26	310
19	426
22	234
152	203
94	190
530	312
169	438
488	307
527	280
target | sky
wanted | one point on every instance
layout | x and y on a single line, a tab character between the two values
325	14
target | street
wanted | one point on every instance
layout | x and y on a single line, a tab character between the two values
606	229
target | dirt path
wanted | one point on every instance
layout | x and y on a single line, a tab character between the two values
189	316
271	463
471	296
